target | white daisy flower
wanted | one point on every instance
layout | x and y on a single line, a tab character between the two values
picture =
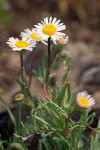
85	100
18	45
32	34
50	28
63	40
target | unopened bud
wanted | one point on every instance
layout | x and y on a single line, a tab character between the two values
63	40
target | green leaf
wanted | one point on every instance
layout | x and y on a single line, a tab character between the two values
41	73
30	98
55	94
57	63
23	145
40	70
69	91
40	145
25	129
46	144
24	76
95	141
45	107
41	120
68	71
77	133
66	145
71	103
19	83
84	147
21	137
61	95
4	142
38	76
52	124
91	118
35	73
54	110
9	111
1	147
48	122
57	114
57	48
28	92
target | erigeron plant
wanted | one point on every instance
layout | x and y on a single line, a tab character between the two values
52	118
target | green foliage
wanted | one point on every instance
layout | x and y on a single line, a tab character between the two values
41	73
95	141
18	146
9	111
4	17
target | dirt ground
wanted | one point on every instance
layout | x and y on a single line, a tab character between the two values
82	20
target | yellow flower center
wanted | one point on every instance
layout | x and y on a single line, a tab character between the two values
60	39
84	101
49	29
36	36
21	44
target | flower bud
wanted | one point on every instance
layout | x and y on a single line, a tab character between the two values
62	40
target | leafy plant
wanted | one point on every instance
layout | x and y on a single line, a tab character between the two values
52	119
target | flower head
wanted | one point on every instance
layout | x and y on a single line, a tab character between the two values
62	40
85	100
50	28
19	97
32	34
18	45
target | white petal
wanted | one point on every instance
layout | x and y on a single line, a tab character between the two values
54	20
56	23
50	19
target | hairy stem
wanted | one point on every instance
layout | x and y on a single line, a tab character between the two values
22	67
49	53
18	118
30	74
48	70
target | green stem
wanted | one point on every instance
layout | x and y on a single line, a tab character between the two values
18	122
48	70
49	53
30	74
22	66
18	118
